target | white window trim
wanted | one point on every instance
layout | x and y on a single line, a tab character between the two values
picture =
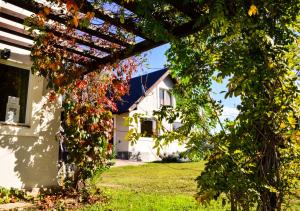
28	98
171	97
21	129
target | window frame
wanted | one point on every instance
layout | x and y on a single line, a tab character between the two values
22	67
165	91
153	126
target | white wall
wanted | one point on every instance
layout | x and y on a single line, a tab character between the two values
120	133
29	152
144	146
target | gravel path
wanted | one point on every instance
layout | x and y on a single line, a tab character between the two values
17	206
127	163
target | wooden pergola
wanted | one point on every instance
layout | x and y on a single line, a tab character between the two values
185	22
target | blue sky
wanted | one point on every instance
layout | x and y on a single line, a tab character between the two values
156	60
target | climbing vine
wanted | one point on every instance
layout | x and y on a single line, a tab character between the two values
89	99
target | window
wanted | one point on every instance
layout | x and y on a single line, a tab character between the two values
147	127
176	125
165	97
13	93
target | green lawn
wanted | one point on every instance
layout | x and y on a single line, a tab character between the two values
154	186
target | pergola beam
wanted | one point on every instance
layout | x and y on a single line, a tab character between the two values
19	18
15	31
173	28
28	47
136	49
12	15
35	7
127	24
24	34
180	31
133	7
15	43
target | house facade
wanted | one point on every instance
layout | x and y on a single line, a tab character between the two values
28	122
147	93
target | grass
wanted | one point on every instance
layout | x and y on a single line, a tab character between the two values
154	186
157	186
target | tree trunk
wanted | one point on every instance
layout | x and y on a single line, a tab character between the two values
232	202
269	173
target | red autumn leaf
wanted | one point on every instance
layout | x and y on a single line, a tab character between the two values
81	84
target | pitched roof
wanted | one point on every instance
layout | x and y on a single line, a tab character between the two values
139	87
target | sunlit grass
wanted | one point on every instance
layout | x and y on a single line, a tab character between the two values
157	186
154	186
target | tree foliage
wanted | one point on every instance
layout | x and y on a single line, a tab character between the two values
88	99
255	158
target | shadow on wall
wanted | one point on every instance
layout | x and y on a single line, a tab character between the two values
30	160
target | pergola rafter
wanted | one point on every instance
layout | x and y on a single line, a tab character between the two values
19	18
129	24
24	34
15	43
35	7
134	8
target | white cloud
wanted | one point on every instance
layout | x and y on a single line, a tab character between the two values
229	113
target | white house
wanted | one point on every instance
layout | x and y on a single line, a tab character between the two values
147	93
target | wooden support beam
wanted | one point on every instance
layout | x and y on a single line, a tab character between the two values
15	43
12	15
120	55
27	46
22	33
19	18
128	24
15	31
81	53
180	31
133	7
35	7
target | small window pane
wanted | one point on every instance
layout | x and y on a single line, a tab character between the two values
13	93
168	100
161	96
146	128
165	97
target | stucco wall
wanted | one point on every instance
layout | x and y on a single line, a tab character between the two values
29	152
